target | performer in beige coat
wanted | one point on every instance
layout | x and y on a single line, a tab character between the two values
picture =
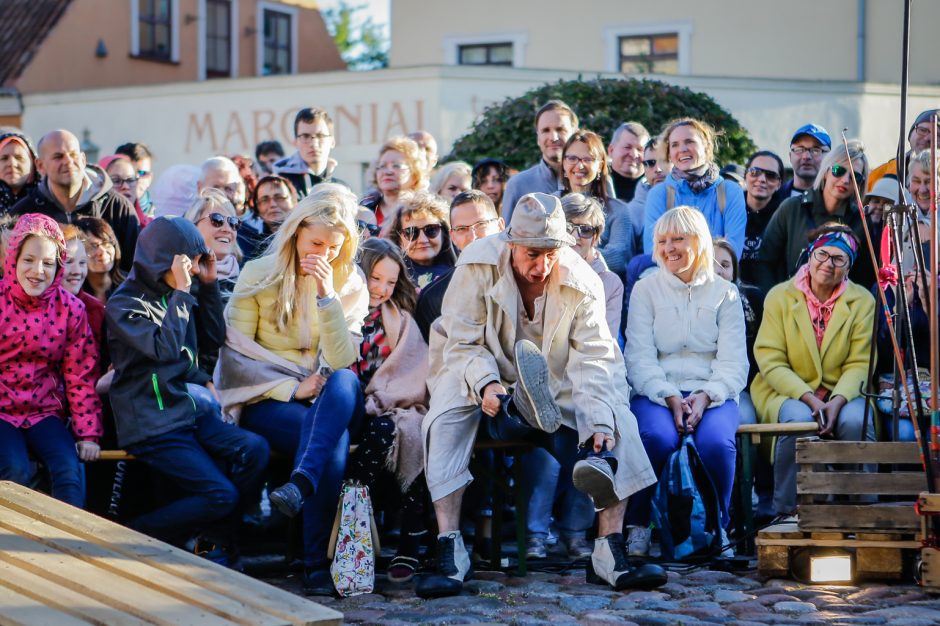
524	311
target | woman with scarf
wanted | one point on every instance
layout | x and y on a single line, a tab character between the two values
695	181
812	349
215	217
48	365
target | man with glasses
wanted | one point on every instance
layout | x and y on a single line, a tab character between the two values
142	158
311	164
554	123
918	138
71	188
472	216
626	158
809	145
763	175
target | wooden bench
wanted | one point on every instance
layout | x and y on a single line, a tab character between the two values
750	435
62	565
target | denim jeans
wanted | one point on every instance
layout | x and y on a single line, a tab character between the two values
54	446
544	485
218	469
317	436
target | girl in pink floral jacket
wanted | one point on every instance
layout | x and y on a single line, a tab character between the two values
48	364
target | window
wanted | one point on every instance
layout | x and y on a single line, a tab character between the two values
486	54
155	29
278	43
650	54
218	38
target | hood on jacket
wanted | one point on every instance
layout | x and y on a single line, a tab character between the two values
163	239
27	225
95	185
293	164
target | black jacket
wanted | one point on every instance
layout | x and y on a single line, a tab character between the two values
99	200
429	304
155	332
294	169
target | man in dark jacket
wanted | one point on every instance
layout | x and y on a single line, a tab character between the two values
155	330
311	164
71	188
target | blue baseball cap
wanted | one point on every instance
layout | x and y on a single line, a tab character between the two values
815	131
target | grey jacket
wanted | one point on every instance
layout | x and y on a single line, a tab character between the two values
540	177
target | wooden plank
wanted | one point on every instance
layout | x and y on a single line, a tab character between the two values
185	591
880	563
115	455
928	502
773	561
788	428
860	483
102	586
819	451
848	517
17	609
838	543
930	569
133	545
61	598
779	531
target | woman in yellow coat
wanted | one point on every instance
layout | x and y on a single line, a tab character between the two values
304	302
812	349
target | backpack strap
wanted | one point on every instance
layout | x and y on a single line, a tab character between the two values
670	197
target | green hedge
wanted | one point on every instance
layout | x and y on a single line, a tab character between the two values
507	129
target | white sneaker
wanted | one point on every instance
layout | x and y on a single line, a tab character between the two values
727	548
638	540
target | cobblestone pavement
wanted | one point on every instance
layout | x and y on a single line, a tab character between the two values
700	597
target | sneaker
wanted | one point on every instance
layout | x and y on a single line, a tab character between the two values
609	565
318	582
402	568
638	540
453	568
577	547
535	548
727	547
594	476
532	395
287	499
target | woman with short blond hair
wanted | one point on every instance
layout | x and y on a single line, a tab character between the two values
399	169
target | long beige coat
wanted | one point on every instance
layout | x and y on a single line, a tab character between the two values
472	345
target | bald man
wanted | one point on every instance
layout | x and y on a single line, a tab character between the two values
428	145
72	188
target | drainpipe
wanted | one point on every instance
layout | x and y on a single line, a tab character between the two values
860	55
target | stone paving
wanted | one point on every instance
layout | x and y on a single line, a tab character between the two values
700	597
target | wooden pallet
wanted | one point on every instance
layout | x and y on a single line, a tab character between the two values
878	556
62	565
854	509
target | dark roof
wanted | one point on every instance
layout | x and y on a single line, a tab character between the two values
24	25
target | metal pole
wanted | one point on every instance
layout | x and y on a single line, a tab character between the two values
931	281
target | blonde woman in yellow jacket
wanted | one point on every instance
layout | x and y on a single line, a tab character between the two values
305	301
812	349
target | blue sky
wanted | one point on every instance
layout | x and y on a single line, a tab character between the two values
376	9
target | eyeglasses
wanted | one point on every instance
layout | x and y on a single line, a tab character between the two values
837	260
280	198
839	171
392	167
572	159
650	163
143	173
768	174
99	245
800	150
923	131
477	227
430	231
308	138
582	231
117	182
372	228
218	220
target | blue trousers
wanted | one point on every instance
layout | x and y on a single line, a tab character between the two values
317	436
714	439
218	469
53	444
544	484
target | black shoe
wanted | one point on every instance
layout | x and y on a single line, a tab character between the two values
287	499
594	475
318	582
609	565
532	396
453	568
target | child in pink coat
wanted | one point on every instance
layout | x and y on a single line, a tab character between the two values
48	364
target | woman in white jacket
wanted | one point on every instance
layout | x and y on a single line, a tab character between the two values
686	360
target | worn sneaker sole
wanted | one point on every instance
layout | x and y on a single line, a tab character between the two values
590	478
283	504
438	586
533	396
644	577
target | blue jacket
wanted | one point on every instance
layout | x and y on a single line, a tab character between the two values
730	224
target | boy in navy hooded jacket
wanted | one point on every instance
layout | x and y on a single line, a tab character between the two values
156	327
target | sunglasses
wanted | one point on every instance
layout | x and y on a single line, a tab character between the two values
430	231
372	228
218	220
584	231
839	171
651	163
757	171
